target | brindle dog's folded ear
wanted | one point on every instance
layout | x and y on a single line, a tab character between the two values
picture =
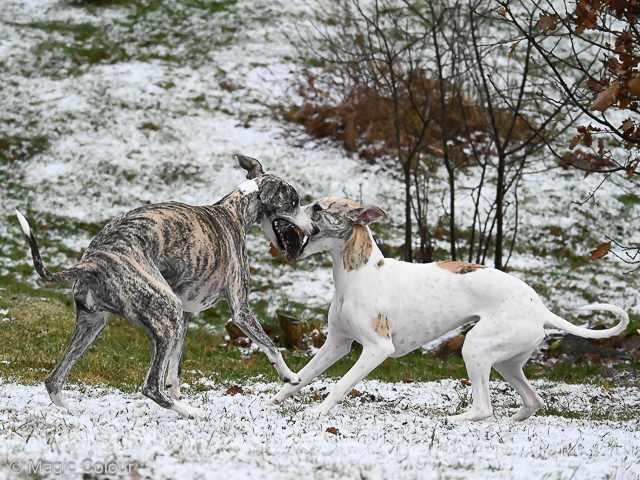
251	165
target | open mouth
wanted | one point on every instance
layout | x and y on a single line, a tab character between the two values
290	238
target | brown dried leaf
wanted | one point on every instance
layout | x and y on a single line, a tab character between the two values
512	50
575	141
624	102
585	16
601	251
594	85
547	22
634	85
235	389
333	430
502	11
606	98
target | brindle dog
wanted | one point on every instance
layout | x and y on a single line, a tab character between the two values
158	264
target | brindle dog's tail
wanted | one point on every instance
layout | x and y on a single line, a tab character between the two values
59	277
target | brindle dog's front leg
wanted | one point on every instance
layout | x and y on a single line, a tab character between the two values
246	320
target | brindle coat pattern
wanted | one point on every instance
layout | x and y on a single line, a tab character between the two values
158	264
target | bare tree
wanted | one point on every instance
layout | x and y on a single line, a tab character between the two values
370	56
434	74
516	123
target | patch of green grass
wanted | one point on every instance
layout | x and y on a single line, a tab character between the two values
150	31
552	411
563	371
13	149
629	199
42	324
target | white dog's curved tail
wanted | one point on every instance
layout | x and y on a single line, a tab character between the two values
561	323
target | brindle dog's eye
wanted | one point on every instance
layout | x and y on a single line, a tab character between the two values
317	208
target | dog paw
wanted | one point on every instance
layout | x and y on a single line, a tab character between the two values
270	402
59	400
315	412
187	411
174	392
457	418
469	416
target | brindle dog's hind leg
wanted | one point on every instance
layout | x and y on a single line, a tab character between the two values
89	326
175	362
165	324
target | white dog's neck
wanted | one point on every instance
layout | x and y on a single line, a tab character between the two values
357	255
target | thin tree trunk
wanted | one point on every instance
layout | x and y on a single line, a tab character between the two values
408	251
499	213
445	134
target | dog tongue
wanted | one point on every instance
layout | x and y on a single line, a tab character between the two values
274	251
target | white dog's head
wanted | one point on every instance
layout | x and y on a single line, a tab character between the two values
335	219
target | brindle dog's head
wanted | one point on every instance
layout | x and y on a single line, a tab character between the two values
335	219
284	222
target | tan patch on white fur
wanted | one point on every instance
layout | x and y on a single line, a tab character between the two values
460	267
380	264
351	203
358	249
381	325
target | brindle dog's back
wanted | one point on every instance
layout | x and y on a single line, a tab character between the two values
191	248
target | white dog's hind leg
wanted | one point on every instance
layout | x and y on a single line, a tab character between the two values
372	356
478	358
481	405
511	371
333	350
504	340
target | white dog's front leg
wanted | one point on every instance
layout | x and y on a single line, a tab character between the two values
372	356
333	350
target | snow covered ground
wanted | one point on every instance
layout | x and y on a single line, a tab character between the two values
403	434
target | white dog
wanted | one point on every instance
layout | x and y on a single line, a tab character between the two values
393	307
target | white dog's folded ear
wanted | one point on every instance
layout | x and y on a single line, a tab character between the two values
251	165
367	213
